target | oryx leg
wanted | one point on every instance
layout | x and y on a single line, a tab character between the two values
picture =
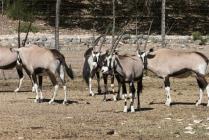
34	79
55	84
91	93
124	91
202	83
40	81
112	83
125	97
125	103
105	86
21	77
132	96
119	93
139	91
62	78
98	83
167	91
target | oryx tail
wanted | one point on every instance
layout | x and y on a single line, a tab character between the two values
61	58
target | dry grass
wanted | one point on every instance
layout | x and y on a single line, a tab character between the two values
90	118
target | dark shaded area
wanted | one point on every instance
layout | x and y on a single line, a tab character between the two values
179	103
57	101
137	110
187	16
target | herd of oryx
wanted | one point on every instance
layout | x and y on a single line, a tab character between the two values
165	63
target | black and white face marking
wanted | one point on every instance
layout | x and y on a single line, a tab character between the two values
141	55
95	56
108	64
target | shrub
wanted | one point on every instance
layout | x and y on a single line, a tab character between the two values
198	36
24	28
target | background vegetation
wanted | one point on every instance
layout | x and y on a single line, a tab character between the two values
186	16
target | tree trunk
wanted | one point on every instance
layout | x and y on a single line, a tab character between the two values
57	24
163	23
113	23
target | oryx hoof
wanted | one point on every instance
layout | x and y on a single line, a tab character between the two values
91	94
125	109
115	98
16	90
122	97
132	109
36	101
168	103
65	102
197	103
33	89
51	101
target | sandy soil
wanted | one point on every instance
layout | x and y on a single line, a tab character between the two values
88	117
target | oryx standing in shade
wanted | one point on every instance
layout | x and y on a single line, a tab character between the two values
166	63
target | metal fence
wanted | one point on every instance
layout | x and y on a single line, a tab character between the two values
186	17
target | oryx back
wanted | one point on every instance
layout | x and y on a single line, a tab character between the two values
7	58
172	62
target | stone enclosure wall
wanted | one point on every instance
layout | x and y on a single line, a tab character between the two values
73	48
68	40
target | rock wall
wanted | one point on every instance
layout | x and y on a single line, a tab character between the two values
67	40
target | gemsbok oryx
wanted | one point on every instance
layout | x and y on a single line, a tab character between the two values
92	66
127	69
167	63
8	59
35	60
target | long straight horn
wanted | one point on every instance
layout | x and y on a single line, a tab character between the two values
104	38
26	37
115	42
103	41
18	30
145	45
120	37
96	41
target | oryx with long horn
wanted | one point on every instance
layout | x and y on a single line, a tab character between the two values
8	59
166	63
91	64
35	60
127	69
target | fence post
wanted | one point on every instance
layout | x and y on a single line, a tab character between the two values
163	23
57	24
113	24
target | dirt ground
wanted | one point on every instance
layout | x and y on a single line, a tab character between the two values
87	117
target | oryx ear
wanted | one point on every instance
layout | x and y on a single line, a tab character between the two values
14	49
151	50
107	51
116	51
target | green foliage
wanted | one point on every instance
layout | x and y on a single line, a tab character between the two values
24	28
19	10
198	36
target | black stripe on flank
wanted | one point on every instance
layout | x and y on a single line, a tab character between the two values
203	56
